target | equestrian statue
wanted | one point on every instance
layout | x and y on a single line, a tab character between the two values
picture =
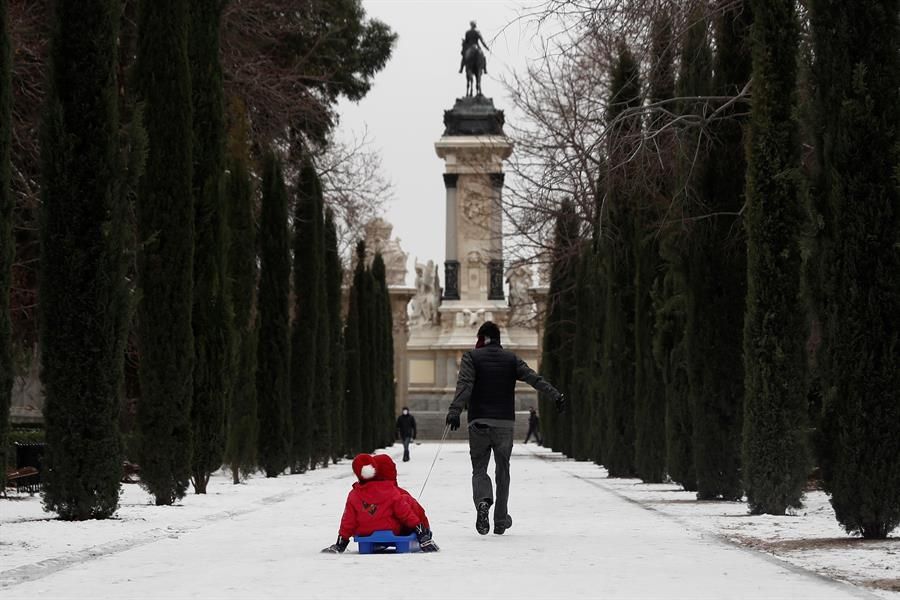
473	59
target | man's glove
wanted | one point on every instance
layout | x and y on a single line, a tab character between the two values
561	404
453	420
426	544
338	547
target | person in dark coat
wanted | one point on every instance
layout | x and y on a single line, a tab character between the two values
486	387
406	431
534	427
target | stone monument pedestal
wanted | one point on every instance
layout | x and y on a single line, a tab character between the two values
473	148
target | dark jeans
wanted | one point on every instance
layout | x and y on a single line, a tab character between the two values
482	440
406	448
534	431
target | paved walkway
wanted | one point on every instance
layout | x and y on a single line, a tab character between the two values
573	537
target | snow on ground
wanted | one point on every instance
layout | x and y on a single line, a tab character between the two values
575	534
810	538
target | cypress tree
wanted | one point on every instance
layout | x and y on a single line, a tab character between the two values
213	335
353	360
243	426
585	355
694	81
333	279
321	405
7	247
774	440
372	393
856	69
649	393
559	329
717	279
165	264
83	291
307	279
273	386
619	266
385	352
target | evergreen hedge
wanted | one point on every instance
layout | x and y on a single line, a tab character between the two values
856	69
619	267
333	281
242	422
273	385
84	302
212	311
775	460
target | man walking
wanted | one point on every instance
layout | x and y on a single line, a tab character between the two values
486	387
534	427
406	431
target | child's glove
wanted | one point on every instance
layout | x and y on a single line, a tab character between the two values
338	547
426	544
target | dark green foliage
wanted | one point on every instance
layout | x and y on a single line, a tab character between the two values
857	112
649	393
165	263
619	268
308	277
384	343
84	305
559	327
320	441
7	247
694	80
333	279
212	318
371	395
273	386
669	351
775	460
243	426
717	279
353	359
584	389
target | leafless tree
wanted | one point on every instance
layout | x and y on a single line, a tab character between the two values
567	147
354	185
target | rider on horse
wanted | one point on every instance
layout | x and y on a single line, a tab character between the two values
473	37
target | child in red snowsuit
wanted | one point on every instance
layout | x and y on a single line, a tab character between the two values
375	504
386	470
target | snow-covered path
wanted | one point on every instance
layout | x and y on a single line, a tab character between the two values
573	537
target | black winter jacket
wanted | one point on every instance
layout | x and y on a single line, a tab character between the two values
406	426
487	381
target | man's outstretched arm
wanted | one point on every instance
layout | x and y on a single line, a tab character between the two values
529	376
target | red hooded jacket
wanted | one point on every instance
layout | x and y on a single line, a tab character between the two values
386	470
374	505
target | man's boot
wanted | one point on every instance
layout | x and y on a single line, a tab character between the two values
482	522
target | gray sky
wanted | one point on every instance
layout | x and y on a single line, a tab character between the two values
404	110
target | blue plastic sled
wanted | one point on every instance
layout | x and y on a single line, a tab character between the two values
381	540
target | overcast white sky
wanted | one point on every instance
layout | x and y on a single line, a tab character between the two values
404	110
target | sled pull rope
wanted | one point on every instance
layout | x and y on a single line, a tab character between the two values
438	451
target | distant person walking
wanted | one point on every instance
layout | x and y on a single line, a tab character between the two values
406	431
534	427
486	386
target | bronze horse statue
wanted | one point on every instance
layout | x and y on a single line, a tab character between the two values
475	64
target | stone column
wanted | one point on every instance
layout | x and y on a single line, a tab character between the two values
400	297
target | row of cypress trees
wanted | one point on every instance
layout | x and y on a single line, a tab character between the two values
173	187
368	358
690	357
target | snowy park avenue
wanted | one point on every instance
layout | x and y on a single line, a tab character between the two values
576	534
